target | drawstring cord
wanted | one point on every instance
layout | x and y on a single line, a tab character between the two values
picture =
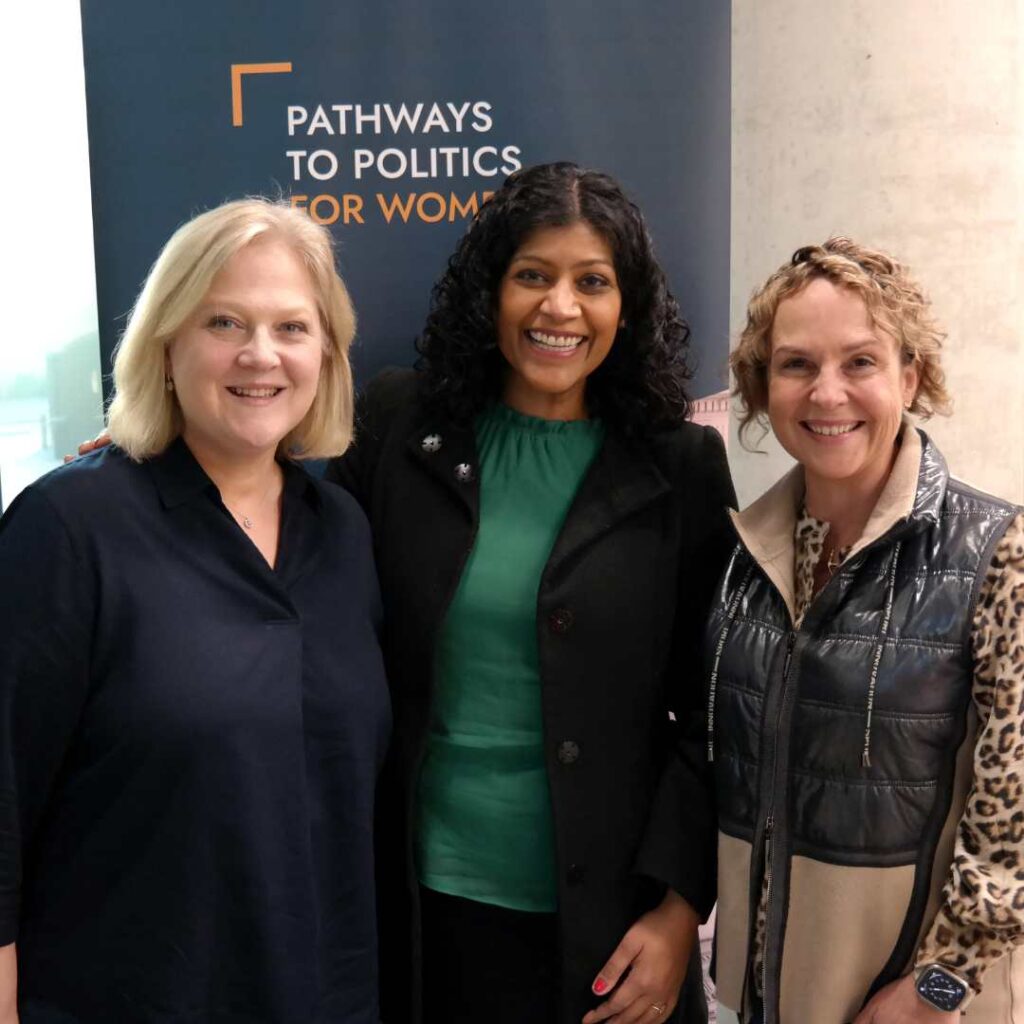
734	606
865	757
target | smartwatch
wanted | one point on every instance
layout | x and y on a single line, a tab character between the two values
940	988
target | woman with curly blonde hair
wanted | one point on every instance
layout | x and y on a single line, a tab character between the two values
866	678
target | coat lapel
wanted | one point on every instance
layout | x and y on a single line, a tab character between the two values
448	454
621	480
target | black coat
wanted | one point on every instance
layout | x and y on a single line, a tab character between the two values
621	609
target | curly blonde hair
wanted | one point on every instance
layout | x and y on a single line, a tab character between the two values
895	303
144	418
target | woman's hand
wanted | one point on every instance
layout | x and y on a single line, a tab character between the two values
655	951
101	440
899	1003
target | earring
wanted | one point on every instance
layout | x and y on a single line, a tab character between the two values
169	383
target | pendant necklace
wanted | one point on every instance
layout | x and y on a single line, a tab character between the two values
240	517
836	557
832	564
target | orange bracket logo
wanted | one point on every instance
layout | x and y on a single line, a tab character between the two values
237	70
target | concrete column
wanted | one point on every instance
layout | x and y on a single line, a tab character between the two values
901	124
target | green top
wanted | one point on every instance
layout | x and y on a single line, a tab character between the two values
484	830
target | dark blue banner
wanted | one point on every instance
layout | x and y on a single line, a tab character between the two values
392	121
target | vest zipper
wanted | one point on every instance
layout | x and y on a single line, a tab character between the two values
789	657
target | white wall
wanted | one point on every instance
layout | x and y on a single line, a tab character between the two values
901	124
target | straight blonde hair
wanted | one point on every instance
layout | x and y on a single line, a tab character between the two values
144	417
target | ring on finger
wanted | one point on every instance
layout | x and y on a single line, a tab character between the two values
658	1008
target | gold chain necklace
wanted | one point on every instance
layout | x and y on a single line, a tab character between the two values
833	562
836	557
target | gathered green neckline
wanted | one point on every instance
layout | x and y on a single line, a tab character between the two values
501	413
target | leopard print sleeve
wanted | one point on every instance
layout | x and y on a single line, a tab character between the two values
982	914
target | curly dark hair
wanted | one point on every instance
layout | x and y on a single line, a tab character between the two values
640	388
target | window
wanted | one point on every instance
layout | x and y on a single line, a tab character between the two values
51	396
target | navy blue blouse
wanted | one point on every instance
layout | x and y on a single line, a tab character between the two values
189	743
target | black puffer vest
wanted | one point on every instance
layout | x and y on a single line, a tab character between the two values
837	741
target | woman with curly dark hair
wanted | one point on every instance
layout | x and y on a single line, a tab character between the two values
548	531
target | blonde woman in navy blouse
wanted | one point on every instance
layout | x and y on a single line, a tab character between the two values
548	532
192	701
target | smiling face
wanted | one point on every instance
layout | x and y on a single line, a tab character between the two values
837	387
558	312
245	364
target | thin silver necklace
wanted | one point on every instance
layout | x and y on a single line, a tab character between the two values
240	517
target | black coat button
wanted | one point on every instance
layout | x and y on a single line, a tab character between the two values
568	752
574	874
560	620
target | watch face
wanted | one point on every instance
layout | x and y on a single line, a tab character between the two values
942	990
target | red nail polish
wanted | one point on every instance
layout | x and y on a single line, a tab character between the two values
600	985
